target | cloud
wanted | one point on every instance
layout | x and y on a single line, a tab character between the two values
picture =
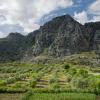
7	28
94	8
26	13
95	18
81	17
46	6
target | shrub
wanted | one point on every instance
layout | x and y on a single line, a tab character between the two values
53	80
69	78
17	85
81	83
54	86
66	66
33	83
72	71
10	80
83	73
2	82
27	95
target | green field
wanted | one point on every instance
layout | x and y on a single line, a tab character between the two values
60	96
21	77
70	75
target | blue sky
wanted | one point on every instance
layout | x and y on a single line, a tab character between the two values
79	6
25	16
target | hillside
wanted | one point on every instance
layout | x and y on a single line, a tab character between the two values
77	75
62	36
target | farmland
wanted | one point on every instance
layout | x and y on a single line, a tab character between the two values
62	80
61	96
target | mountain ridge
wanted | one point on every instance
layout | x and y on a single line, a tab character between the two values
62	36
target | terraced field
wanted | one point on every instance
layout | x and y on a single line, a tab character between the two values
17	76
40	78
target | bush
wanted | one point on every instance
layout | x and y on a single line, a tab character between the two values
83	73
10	80
69	78
17	85
33	83
96	86
27	95
53	80
81	83
2	82
66	67
72	71
54	86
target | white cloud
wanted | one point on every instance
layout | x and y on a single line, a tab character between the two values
2	35
95	18
26	13
94	8
81	17
7	28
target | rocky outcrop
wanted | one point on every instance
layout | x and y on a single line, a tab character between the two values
94	31
61	36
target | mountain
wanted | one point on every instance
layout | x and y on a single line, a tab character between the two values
62	36
94	35
11	47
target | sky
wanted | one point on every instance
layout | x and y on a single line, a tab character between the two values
25	16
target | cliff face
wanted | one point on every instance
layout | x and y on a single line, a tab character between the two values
59	37
94	31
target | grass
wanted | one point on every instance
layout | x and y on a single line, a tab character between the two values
60	96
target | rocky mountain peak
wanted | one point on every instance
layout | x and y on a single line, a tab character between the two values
61	36
64	17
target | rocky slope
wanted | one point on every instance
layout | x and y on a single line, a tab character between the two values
62	36
94	35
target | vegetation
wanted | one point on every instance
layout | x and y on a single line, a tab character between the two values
59	96
63	77
10	96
